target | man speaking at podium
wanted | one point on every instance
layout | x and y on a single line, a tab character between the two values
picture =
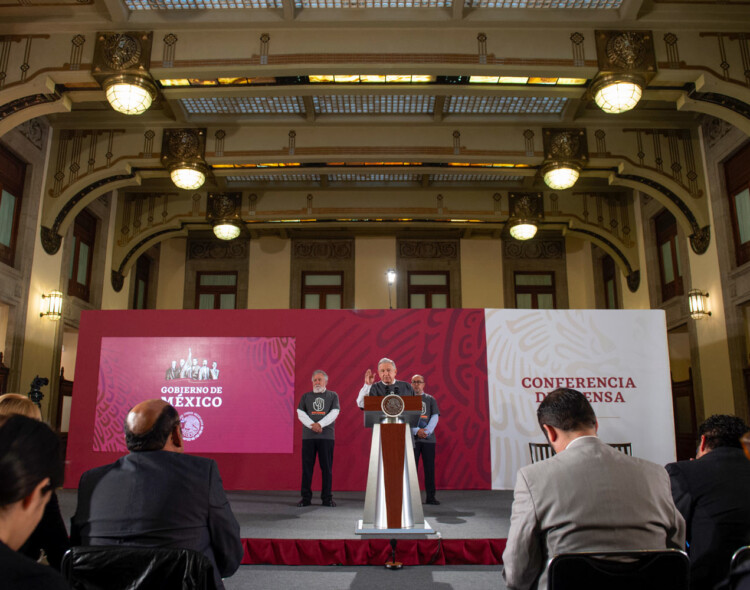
387	384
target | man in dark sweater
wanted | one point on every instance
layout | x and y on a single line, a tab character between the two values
318	410
387	384
712	495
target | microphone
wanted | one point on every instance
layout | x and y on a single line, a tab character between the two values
395	389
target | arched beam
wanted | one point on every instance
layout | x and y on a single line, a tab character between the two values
670	194
52	236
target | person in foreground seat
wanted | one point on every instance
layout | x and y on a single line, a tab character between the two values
713	494
50	536
588	497
30	467
158	497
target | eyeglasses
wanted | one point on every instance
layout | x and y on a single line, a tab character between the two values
417	381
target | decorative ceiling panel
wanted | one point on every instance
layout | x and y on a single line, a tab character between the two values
505	105
279	105
365	105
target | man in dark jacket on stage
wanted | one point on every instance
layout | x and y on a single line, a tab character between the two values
386	385
712	493
158	497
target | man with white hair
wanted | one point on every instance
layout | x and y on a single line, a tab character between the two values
387	384
318	410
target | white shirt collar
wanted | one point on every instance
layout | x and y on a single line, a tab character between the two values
575	440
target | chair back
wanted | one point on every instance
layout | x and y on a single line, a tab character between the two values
540	451
619	570
626	448
137	568
740	557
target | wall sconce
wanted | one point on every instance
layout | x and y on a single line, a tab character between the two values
182	153
526	210
120	65
223	212
52	305
627	63
697	304
565	153
390	277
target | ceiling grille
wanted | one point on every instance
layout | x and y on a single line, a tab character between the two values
374	177
200	4
474	178
373	3
278	105
506	105
275	178
566	4
394	104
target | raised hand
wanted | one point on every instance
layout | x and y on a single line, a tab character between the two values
369	377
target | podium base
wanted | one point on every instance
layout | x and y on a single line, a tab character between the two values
422	531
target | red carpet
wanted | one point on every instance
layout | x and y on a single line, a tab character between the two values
372	551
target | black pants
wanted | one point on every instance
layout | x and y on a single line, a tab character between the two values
323	447
427	451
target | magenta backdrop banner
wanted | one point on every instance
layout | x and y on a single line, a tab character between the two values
234	395
265	360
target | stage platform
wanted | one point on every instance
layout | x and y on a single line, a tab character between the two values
473	526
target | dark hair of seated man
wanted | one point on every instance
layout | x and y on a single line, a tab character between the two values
722	430
139	437
566	409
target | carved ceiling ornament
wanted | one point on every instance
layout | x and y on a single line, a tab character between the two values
216	250
428	248
222	206
534	249
121	53
568	144
527	206
183	146
324	249
625	52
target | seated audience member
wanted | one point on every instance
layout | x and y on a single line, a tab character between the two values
713	494
158	497
30	467
50	535
588	497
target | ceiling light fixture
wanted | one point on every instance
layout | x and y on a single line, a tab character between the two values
226	230
627	63
130	94
522	229
182	154
188	176
526	210
560	175
565	153
120	66
616	94
223	212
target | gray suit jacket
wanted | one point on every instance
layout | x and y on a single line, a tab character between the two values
590	497
159	499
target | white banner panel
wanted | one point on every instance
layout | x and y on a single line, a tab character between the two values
617	358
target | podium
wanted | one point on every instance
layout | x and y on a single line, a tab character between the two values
393	504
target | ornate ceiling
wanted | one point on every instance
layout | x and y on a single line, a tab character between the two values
366	115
